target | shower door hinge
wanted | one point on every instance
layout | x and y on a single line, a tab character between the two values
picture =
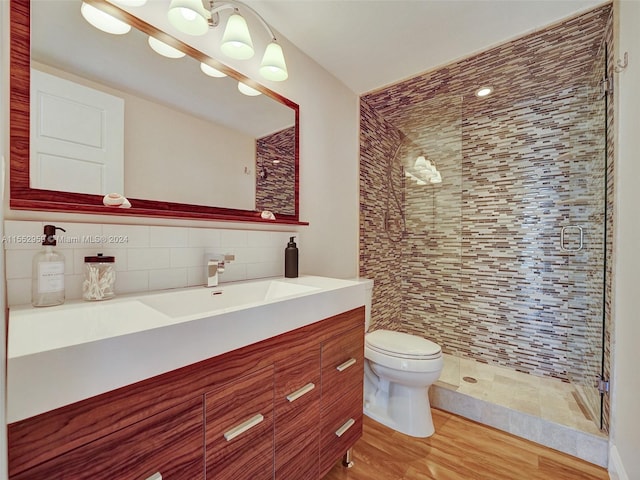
606	86
603	385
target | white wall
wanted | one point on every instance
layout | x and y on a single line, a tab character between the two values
625	428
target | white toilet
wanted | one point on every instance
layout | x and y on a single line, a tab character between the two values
399	369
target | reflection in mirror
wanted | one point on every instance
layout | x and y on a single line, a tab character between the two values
191	144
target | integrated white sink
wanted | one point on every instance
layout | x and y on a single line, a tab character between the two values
36	330
198	301
60	355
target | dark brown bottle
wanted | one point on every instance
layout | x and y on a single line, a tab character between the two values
291	259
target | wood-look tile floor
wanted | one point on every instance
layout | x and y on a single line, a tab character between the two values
459	450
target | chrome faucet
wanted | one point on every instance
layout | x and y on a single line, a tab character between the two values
215	266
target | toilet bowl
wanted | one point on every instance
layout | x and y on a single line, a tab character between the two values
399	369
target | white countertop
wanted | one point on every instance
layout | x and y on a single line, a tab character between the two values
60	355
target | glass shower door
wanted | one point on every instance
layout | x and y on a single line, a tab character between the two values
583	242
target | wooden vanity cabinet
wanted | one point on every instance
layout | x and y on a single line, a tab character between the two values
169	444
297	408
239	428
267	410
342	392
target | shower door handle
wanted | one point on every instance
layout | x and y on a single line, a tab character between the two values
563	233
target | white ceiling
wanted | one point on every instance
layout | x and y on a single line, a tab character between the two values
368	44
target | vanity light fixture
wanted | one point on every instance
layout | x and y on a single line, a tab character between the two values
164	49
247	90
192	18
103	21
484	91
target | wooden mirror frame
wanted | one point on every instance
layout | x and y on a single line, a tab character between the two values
23	197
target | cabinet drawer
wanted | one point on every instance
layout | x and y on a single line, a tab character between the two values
169	443
297	407
341	427
342	365
239	428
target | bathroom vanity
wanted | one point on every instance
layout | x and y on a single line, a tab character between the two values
287	406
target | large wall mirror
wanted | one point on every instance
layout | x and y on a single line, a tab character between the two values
190	145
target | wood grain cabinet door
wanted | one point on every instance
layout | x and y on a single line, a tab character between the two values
297	407
239	428
166	446
342	392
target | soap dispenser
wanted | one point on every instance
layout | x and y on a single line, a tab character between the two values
291	259
48	272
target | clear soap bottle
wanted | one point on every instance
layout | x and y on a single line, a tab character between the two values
48	272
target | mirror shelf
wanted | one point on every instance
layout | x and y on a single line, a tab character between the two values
23	197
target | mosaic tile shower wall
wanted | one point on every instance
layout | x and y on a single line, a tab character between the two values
476	262
275	182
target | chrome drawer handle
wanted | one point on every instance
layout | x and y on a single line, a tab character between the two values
343	366
243	427
292	397
155	476
347	425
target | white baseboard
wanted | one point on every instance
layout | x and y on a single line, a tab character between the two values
616	468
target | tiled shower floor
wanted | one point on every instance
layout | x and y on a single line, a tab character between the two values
547	398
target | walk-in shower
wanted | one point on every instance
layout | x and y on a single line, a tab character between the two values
503	261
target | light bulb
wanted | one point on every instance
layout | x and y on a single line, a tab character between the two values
236	40
103	21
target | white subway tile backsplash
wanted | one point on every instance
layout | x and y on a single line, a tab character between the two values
168	237
132	282
233	238
187	257
147	257
19	291
18	264
169	278
265	269
203	237
126	236
196	276
22	235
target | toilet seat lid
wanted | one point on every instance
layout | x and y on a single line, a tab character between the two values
404	345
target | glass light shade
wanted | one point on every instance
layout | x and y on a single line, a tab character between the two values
236	40
164	49
130	3
273	66
212	72
188	16
247	90
103	21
